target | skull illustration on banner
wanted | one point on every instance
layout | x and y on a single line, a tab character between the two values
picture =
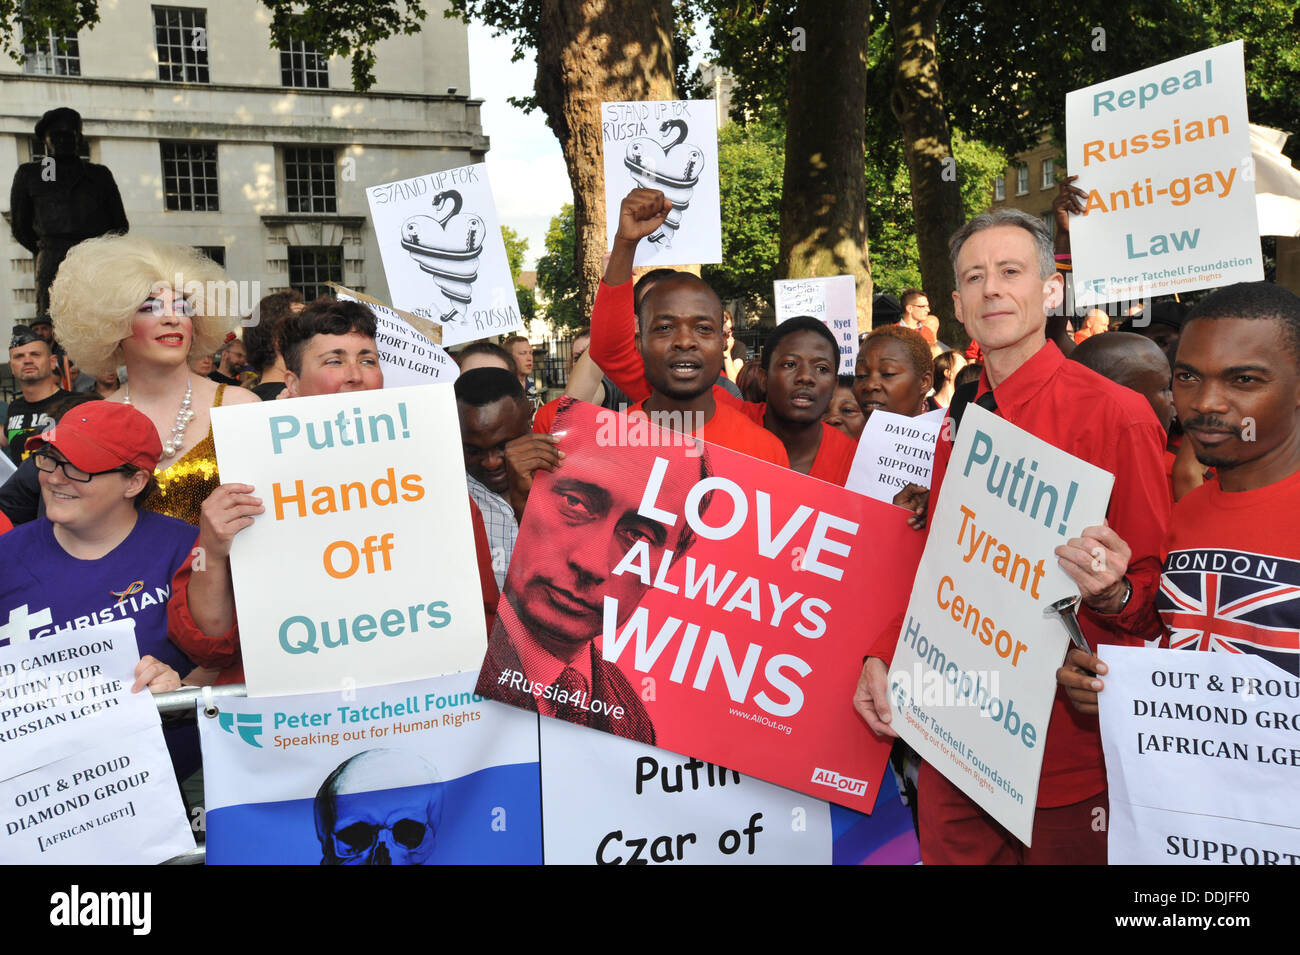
393	820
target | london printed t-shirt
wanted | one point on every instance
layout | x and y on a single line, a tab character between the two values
1231	577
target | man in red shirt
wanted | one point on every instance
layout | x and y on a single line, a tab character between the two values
794	408
1233	551
1006	282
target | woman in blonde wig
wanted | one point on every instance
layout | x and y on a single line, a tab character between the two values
131	300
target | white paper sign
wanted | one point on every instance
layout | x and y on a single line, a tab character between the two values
63	694
672	146
612	801
974	674
834	301
894	451
443	254
362	571
87	778
116	803
1200	748
426	771
1164	155
406	356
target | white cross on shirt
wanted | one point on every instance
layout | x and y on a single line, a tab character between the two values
21	624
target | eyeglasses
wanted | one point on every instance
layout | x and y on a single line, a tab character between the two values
47	462
362	836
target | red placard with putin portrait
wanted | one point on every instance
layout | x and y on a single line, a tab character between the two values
684	595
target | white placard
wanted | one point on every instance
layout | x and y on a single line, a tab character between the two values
894	451
833	301
284	775
1165	157
63	694
974	674
406	356
116	803
367	530
443	254
608	800
672	146
1199	746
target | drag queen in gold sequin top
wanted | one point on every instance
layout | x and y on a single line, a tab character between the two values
132	300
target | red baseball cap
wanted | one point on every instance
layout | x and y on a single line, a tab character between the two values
103	435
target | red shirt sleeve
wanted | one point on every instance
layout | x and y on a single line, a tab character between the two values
613	339
486	578
545	417
205	650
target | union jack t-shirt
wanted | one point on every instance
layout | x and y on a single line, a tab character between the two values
1231	578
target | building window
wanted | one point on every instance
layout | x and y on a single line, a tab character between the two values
999	189
1049	174
309	180
217	253
51	54
1022	179
1049	223
302	67
181	37
311	266
190	177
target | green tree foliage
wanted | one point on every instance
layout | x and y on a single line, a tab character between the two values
750	163
516	252
555	273
895	261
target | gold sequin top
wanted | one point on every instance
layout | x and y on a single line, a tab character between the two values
183	487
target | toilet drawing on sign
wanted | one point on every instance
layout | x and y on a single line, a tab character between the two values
672	166
447	246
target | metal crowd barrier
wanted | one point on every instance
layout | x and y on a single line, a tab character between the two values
180	706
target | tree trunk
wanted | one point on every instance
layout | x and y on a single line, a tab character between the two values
824	198
591	52
917	102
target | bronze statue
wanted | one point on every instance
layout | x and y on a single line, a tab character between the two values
61	200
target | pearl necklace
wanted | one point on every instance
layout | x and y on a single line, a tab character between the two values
183	418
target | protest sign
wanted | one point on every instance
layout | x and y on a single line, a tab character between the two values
832	301
87	778
115	803
443	254
1201	757
974	674
1164	155
362	571
671	146
419	773
894	451
691	597
613	801
60	694
408	354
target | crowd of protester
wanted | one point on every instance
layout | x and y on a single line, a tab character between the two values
114	455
